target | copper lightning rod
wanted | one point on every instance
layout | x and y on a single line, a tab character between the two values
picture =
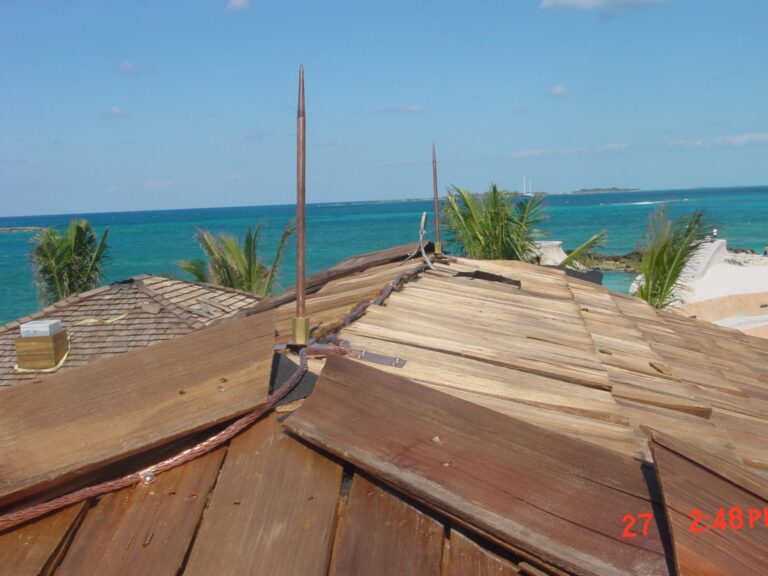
438	244
300	326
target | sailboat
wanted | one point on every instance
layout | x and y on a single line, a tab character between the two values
529	190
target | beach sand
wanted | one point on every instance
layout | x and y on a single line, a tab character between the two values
731	291
737	274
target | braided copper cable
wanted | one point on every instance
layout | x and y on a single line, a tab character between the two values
147	475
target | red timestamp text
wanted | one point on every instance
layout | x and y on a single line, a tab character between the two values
634	522
733	518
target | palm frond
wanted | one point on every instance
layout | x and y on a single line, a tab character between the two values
270	280
580	257
236	264
464	214
68	263
528	214
669	247
93	265
496	225
196	267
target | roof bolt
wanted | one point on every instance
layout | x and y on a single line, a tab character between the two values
437	440
147	477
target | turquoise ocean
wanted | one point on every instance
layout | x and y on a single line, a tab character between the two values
154	241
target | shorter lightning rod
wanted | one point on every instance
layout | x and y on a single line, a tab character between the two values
438	244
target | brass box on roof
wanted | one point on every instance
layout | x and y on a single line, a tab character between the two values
41	352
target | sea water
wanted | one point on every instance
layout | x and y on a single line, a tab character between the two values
153	242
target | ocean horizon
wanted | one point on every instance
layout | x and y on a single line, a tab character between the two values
153	241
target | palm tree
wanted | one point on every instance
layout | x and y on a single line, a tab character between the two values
69	263
494	226
237	265
500	225
669	247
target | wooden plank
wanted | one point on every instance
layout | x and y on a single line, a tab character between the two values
331	303
443	372
749	435
381	535
145	529
660	384
272	511
117	407
555	334
33	548
382	259
652	398
736	550
694	430
466	557
496	293
617	437
529	570
749	406
726	469
496	296
505	477
583	368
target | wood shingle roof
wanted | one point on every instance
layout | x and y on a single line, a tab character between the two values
124	316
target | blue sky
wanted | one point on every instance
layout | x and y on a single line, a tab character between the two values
151	105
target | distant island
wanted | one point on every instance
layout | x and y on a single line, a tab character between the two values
605	190
22	229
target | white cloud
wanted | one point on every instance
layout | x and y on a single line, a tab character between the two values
605	6
558	90
732	140
156	184
131	69
558	152
127	67
536	153
115	112
238	4
399	110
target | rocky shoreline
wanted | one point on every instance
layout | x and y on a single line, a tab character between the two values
631	262
617	262
22	229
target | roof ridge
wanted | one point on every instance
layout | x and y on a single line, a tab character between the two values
209	285
345	268
59	304
185	315
227	289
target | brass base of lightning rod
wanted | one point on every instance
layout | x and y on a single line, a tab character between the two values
438	247
300	331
